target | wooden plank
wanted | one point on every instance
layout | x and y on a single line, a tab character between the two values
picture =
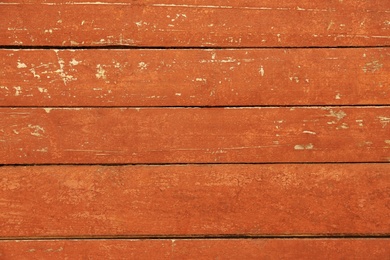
198	249
196	23
304	199
193	135
194	77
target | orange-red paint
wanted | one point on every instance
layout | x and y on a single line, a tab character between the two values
87	201
194	77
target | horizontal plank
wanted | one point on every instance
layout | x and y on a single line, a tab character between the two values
193	135
196	23
198	249
194	77
307	199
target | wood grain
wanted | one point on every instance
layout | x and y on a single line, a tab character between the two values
194	77
196	23
193	135
198	249
281	199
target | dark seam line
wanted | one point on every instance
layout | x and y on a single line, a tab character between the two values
205	106
122	47
206	237
186	164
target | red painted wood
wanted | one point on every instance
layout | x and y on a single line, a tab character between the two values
191	135
87	201
198	249
196	23
194	77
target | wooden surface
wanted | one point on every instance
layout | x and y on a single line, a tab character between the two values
375	249
195	129
88	201
194	135
194	77
196	23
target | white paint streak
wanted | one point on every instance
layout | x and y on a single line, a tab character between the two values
261	71
360	122
309	132
304	146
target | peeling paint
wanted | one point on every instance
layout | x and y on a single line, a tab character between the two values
100	72
337	114
18	90
37	130
304	146
372	66
21	65
384	120
261	71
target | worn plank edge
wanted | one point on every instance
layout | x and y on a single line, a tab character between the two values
202	237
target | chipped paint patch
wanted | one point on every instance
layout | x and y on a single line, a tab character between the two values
32	70
37	130
337	114
384	121
100	72
261	71
294	78
47	110
372	66
360	122
42	150
201	80
21	65
61	63
304	146
309	132
343	126
142	65
74	62
18	90
42	90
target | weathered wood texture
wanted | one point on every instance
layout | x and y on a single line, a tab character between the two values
198	249
196	23
193	135
194	77
87	201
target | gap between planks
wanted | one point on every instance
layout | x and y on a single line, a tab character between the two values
123	47
203	237
200	107
182	164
